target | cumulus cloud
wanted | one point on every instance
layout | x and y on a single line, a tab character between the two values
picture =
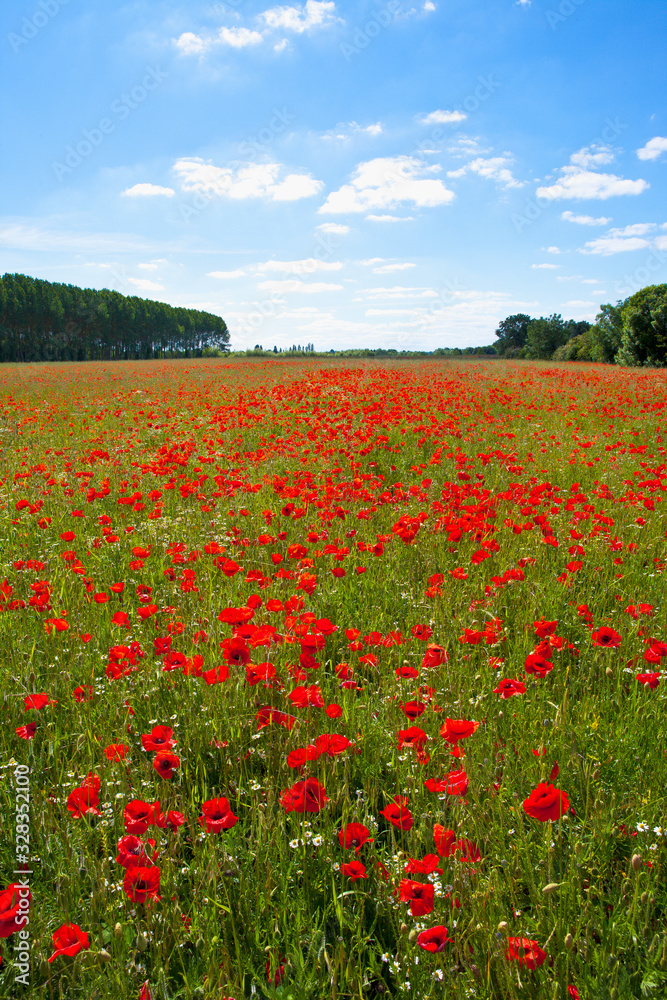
608	245
388	268
545	267
387	182
307	266
144	285
238	273
239	38
653	148
148	191
333	227
585	220
398	292
578	183
253	180
313	14
345	130
493	168
390	218
592	156
442	118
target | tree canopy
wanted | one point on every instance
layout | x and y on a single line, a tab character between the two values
47	321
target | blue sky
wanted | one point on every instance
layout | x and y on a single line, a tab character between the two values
351	174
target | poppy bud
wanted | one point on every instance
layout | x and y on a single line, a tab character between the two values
500	715
502	926
644	897
609	672
104	956
44	967
636	862
569	941
412	936
118	930
142	942
404	928
548	889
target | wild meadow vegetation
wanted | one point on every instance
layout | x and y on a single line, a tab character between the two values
333	680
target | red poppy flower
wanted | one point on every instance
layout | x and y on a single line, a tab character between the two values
116	751
83	693
354	835
434	939
444	841
257	672
525	952
217	815
546	803
142	883
434	656
26	732
454	730
138	816
304	796
542	628
69	939
235	651
426	866
166	763
506	688
84	800
420	895
132	852
334	711
607	637
236	616
423	632
398	815
412	737
413	709
298	758
538	664
159	738
12	914
37	701
332	744
267	715
650	680
354	870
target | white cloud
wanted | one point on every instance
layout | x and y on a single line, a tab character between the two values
553	250
390	218
393	312
238	273
576	182
294	285
371	261
191	45
254	180
493	168
314	14
143	285
333	227
653	148
387	182
585	220
579	304
281	45
590	281
608	245
148	191
592	156
388	268
31	236
239	38
523	3
545	267
636	229
307	266
345	130
442	118
429	7
661	243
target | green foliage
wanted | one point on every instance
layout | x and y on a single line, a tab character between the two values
512	333
45	321
644	330
606	333
544	336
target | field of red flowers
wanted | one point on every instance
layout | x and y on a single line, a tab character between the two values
331	681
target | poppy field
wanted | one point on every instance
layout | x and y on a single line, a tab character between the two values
331	680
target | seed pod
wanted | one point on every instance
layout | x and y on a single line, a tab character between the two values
404	928
142	942
412	936
609	672
569	941
104	956
118	930
644	897
548	889
502	926
636	862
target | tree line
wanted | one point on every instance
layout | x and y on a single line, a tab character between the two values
48	321
633	332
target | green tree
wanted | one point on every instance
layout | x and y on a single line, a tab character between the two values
605	334
644	330
512	333
544	336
